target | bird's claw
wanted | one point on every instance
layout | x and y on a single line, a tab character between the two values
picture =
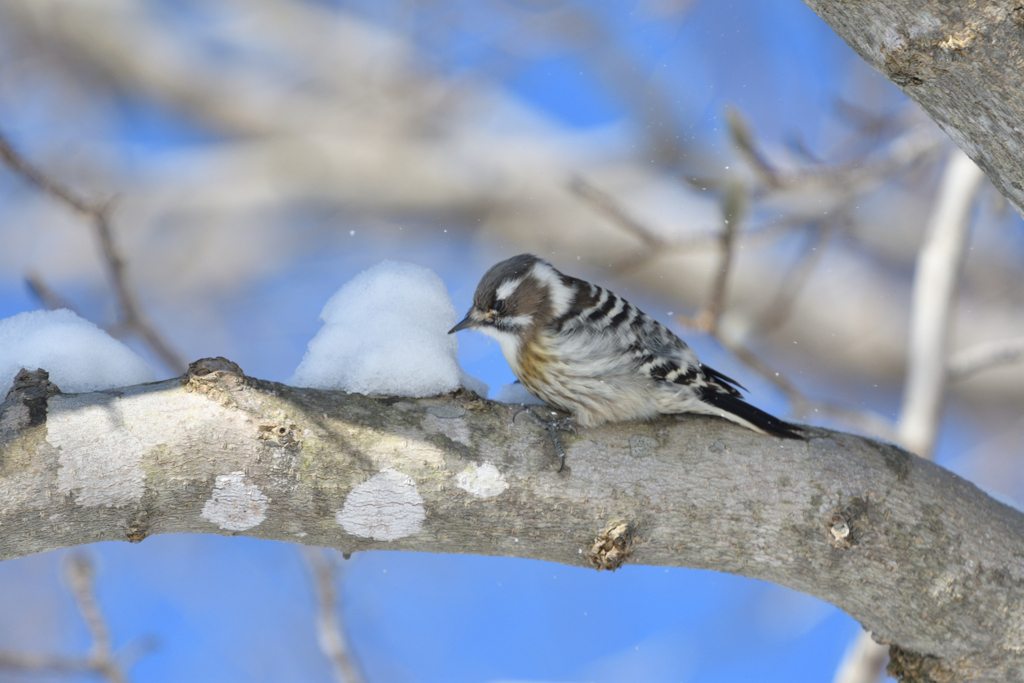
553	426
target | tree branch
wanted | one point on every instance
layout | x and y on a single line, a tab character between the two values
959	61
888	537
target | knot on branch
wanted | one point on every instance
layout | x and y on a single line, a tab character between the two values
279	433
612	547
845	525
29	384
217	377
32	388
910	61
911	667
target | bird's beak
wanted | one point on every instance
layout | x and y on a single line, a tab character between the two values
466	323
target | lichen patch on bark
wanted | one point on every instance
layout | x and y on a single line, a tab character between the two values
385	507
236	504
481	481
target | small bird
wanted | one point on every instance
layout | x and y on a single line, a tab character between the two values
580	348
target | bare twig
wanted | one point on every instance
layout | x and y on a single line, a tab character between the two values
22	167
46	295
330	629
849	179
935	284
80	575
743	139
733	207
863	661
796	276
101	660
974	359
652	245
98	212
613	210
41	663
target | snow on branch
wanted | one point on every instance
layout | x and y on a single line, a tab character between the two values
909	549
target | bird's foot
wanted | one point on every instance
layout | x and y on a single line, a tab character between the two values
554	427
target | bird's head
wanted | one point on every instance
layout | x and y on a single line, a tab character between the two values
515	295
511	296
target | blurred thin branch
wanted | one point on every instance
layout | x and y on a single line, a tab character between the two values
846	179
80	576
652	245
330	629
743	140
98	212
975	359
863	661
796	276
101	659
734	203
46	294
936	279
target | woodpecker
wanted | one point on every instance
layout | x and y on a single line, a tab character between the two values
580	348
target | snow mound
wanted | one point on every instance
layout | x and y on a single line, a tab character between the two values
386	332
79	356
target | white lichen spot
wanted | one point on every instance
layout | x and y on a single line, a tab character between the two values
385	507
482	481
236	505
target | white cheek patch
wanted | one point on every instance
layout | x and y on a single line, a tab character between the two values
519	321
507	289
561	296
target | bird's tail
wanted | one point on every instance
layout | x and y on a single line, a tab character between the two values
741	412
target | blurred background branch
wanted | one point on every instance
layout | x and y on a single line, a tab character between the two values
101	660
131	320
330	630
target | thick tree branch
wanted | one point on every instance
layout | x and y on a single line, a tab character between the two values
921	557
959	61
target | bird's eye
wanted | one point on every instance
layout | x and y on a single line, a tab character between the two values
500	307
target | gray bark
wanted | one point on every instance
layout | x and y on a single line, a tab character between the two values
962	62
922	558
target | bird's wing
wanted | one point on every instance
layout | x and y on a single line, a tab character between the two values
668	358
